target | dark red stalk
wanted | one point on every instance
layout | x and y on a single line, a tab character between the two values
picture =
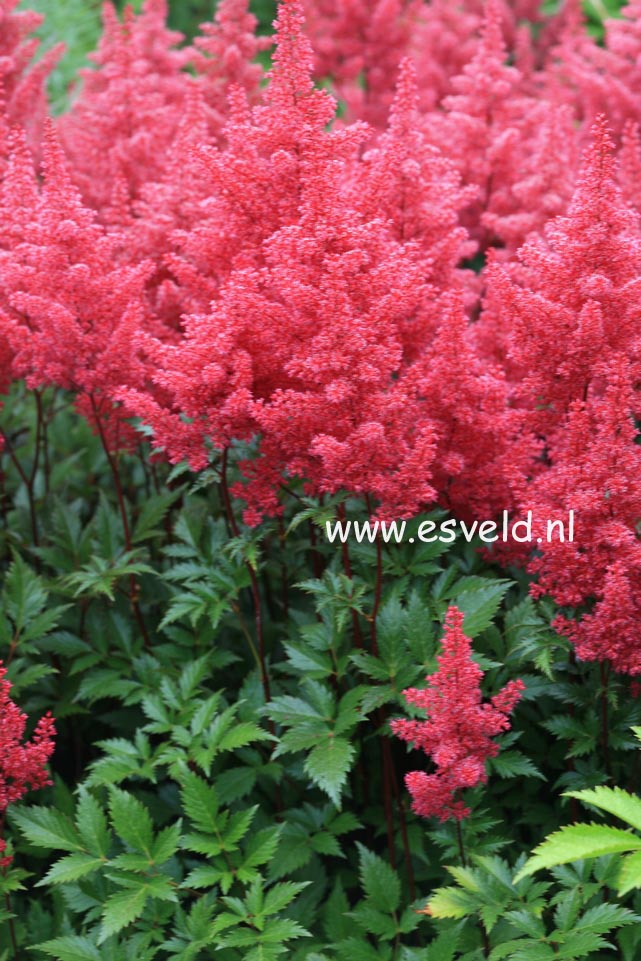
347	567
258	619
27	481
113	465
605	724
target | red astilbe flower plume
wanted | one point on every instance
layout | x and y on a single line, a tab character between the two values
459	727
594	471
23	765
489	127
630	165
573	298
315	300
223	56
445	40
408	181
483	447
537	181
67	309
597	78
119	129
22	84
359	45
249	184
571	312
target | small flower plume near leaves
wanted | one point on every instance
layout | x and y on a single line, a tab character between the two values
23	764
459	727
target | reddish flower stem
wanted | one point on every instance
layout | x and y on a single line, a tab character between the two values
113	465
347	567
258	619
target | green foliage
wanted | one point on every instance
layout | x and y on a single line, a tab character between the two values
527	921
578	841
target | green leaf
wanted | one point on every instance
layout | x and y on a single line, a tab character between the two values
121	909
241	734
71	868
480	606
131	820
199	802
452	902
576	842
328	765
92	824
46	828
281	895
153	511
630	874
514	764
166	843
380	881
615	801
70	948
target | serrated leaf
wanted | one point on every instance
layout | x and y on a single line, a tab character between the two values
630	874
480	606
199	802
46	828
131	820
278	897
71	868
328	765
70	948
166	843
380	881
120	910
576	842
614	800
451	902
92	824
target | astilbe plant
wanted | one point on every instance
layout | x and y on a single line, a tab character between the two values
503	138
579	373
597	78
318	277
22	82
23	764
458	731
224	56
120	126
375	278
360	46
68	306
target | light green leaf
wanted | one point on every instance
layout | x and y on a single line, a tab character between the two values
576	842
615	801
199	802
630	874
92	824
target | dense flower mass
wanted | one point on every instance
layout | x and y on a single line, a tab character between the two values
379	267
23	766
459	726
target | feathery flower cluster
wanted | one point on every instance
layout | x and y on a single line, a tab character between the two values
23	766
571	301
459	727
